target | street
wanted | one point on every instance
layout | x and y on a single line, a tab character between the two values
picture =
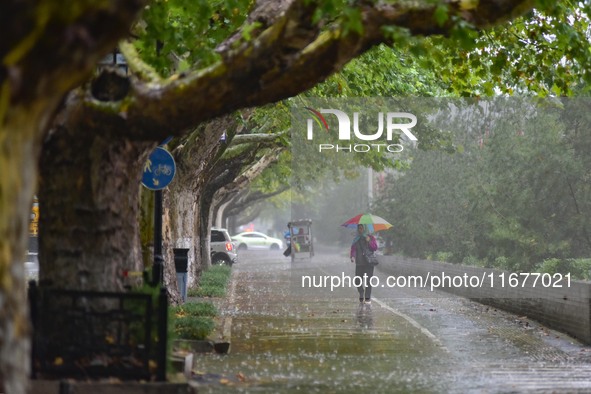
287	339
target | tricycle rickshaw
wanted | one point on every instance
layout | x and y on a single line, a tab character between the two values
301	239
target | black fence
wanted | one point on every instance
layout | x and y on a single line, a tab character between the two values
91	335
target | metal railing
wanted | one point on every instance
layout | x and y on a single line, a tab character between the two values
89	334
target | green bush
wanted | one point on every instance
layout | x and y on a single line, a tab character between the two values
193	327
474	261
550	266
581	268
503	263
578	268
444	256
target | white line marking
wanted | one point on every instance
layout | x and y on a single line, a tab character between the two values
412	321
409	319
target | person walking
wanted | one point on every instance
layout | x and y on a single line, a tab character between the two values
363	243
287	236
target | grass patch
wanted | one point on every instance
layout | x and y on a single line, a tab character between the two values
193	327
213	282
195	309
193	320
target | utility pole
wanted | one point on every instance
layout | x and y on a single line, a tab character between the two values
369	188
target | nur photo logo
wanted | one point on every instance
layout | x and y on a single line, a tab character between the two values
390	125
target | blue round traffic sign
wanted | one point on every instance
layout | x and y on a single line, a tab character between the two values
159	170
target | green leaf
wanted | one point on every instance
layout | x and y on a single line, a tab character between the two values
441	14
248	29
352	21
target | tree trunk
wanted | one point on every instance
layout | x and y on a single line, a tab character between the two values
169	271
180	214
205	216
232	210
195	158
89	204
219	213
199	239
232	224
19	142
147	225
44	55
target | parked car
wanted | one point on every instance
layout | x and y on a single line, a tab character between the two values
32	259
255	240
222	249
32	267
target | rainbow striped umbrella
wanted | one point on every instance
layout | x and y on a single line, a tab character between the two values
373	223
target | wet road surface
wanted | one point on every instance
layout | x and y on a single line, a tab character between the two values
290	339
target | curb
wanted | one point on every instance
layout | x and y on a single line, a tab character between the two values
227	322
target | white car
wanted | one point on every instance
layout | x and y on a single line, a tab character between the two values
254	240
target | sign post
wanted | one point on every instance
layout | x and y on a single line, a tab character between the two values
159	171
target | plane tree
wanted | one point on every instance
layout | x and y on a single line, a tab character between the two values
207	174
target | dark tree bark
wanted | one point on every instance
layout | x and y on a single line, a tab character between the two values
89	177
195	155
219	176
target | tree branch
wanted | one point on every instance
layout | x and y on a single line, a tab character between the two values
253	197
69	40
241	203
136	65
249	174
257	138
288	57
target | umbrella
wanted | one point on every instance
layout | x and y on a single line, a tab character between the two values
373	223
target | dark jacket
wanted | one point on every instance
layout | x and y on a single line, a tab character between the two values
360	245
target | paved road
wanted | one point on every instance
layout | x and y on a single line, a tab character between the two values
288	339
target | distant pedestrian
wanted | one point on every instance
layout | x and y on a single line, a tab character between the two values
287	236
362	245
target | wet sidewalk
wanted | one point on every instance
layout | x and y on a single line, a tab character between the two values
288	339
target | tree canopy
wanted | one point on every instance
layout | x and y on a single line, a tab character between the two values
515	196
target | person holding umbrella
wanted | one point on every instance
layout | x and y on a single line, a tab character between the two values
362	243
